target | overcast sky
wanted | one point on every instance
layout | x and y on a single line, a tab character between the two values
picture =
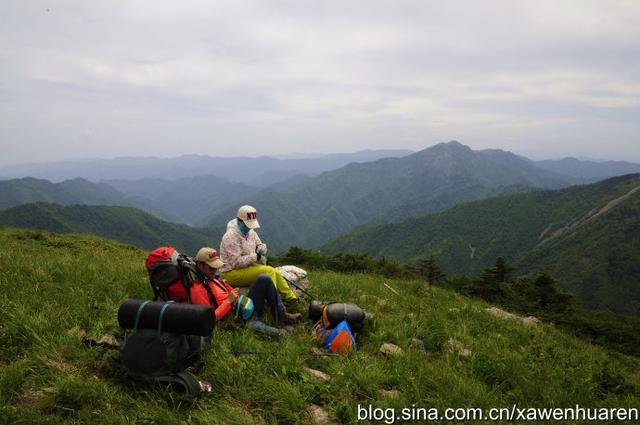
544	79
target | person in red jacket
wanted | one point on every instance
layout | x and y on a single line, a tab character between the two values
223	298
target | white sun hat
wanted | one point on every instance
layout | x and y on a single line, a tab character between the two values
249	216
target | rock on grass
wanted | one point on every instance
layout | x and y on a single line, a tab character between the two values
318	415
389	349
455	346
527	321
389	393
318	375
417	344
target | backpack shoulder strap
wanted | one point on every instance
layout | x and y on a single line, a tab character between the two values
212	296
204	282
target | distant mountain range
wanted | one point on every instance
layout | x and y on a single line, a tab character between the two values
191	199
256	171
587	236
410	206
318	209
124	224
589	171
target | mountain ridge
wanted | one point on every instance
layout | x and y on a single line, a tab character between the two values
588	171
315	210
242	169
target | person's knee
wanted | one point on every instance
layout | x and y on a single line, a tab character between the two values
264	279
269	271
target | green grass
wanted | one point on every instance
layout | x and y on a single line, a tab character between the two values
53	285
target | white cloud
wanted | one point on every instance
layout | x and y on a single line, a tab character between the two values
366	74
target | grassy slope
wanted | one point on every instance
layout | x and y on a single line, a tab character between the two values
125	224
52	285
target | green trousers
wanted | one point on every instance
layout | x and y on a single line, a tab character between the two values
248	275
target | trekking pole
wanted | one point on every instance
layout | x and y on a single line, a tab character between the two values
295	285
260	353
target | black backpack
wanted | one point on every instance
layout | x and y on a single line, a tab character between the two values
156	356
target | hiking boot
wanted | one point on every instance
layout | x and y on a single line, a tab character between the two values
264	329
290	318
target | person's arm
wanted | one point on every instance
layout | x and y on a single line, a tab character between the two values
233	253
260	247
223	310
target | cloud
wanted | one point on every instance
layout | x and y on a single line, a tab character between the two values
127	77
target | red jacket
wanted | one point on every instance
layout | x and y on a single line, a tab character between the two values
220	289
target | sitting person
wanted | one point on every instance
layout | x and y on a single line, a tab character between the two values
244	254
210	289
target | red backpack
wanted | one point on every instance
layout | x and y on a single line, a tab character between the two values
171	274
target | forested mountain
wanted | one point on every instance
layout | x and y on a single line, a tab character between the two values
71	192
250	170
191	199
77	191
315	210
589	171
124	224
586	236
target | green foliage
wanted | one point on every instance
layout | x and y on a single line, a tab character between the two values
502	271
598	260
341	262
54	286
124	224
427	269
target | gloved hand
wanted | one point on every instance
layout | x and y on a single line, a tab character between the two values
262	259
261	249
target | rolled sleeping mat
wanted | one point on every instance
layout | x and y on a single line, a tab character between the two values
188	319
337	312
315	310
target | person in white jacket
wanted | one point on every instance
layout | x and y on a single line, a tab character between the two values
244	254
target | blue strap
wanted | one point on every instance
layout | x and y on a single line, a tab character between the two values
135	324
164	308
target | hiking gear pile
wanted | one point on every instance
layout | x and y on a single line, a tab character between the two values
165	342
335	324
